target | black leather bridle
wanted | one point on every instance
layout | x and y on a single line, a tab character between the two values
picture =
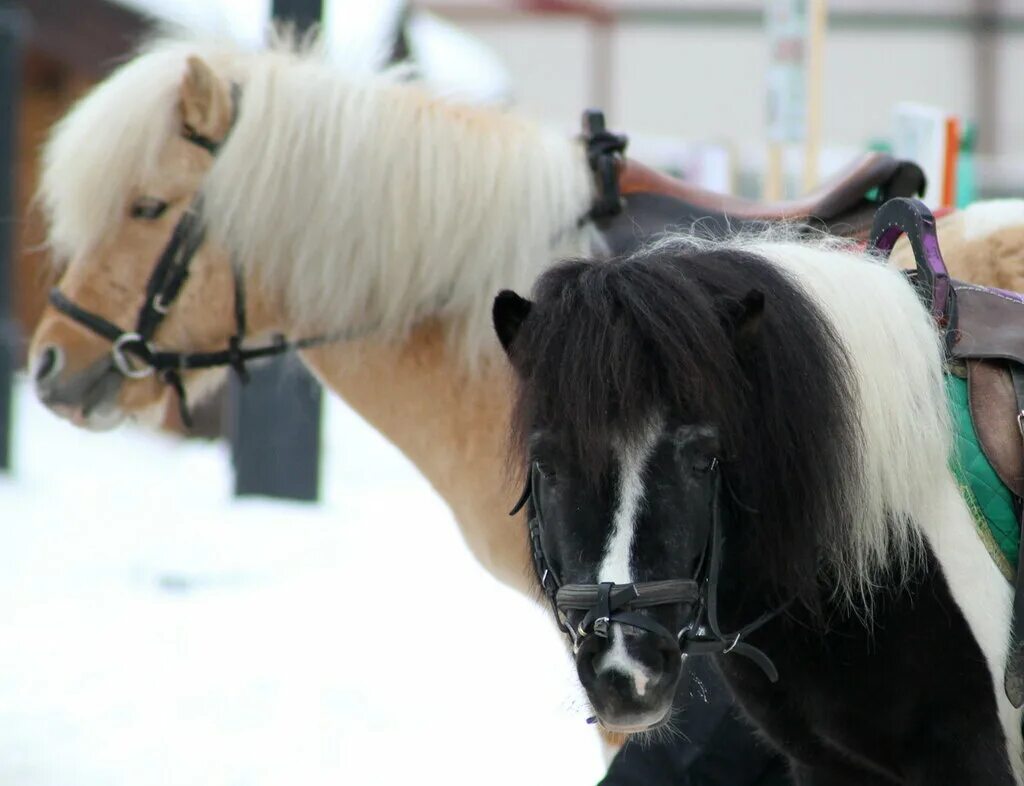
132	352
608	603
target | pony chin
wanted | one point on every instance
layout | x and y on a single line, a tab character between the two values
640	724
104	418
199	386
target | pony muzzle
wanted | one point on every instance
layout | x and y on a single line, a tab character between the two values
630	676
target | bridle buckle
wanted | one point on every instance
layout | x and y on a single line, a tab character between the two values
732	646
601	627
120	357
160	306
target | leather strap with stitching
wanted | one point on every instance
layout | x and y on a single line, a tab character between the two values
1013	678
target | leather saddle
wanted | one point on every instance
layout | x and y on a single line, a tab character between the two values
984	334
983	329
636	202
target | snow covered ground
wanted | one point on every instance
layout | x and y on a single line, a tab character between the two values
154	631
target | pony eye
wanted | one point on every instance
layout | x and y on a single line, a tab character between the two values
545	469
148	209
704	464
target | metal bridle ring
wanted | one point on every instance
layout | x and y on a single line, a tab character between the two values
121	360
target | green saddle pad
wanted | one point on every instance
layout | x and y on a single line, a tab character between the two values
991	503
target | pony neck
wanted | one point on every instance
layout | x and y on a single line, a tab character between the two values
383	204
448	421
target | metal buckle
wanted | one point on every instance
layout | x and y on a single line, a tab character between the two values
568	628
121	360
733	645
159	306
601	627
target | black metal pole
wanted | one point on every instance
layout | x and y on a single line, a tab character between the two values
12	28
275	419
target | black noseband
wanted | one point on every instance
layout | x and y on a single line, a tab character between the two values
608	603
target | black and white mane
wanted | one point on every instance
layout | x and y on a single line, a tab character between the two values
609	344
826	394
821	378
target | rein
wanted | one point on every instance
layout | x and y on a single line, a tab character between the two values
608	603
132	353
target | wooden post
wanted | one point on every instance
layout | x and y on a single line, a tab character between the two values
12	28
774	173
795	30
784	90
817	22
274	421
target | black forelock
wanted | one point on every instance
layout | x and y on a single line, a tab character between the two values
609	343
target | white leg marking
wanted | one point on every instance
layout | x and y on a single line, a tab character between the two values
983	595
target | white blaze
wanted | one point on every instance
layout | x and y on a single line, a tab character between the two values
616	566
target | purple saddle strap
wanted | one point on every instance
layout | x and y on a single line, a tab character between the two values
912	217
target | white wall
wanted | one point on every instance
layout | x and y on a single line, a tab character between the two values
698	83
549	61
1009	133
705	81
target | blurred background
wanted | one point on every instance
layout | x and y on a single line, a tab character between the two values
170	616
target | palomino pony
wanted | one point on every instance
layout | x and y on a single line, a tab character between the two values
357	208
741	449
360	209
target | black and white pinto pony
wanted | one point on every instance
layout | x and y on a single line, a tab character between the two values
743	449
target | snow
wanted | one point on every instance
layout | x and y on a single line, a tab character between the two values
156	631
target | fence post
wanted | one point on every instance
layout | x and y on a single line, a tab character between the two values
12	28
274	421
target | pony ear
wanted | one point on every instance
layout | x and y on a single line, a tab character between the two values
744	317
509	312
205	102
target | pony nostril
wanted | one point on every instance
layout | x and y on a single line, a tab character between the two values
619	683
48	364
585	667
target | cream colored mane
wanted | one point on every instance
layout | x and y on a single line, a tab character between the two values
366	201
